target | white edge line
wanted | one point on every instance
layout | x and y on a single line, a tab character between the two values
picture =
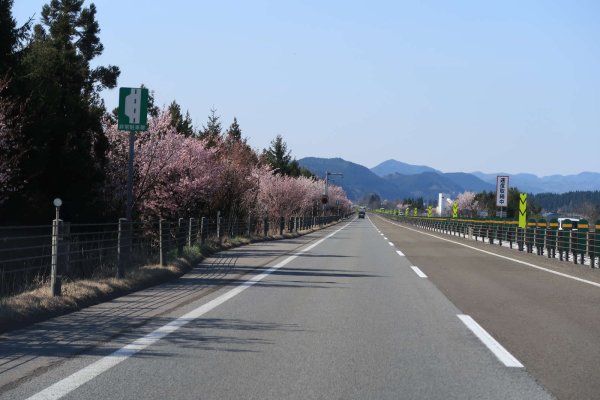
418	271
500	256
73	381
499	351
400	253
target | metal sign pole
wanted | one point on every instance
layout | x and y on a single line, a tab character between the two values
130	176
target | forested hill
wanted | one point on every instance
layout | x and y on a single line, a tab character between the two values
568	201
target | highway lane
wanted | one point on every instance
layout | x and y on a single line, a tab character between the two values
347	318
550	323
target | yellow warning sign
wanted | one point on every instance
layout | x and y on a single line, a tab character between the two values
429	211
523	210
455	210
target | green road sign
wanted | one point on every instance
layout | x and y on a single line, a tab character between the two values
429	211
133	109
455	210
523	210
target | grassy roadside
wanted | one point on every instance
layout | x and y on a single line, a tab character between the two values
37	305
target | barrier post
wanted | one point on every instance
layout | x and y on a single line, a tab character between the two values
581	243
520	238
163	234
594	245
530	234
564	236
540	235
551	233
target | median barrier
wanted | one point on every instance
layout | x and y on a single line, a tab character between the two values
546	237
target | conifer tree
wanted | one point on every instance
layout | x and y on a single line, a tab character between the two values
61	93
212	131
183	125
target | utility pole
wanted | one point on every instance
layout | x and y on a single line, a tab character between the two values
325	197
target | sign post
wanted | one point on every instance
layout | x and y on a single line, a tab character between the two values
502	193
133	117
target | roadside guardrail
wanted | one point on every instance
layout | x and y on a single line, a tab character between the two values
581	245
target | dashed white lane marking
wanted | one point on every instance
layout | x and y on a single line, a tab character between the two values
391	244
418	272
72	382
384	238
500	256
400	253
499	351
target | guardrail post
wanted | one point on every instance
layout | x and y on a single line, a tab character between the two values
180	236
55	278
580	241
594	244
203	229
551	232
520	241
163	234
192	224
540	235
123	237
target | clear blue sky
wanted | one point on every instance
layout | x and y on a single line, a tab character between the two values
457	85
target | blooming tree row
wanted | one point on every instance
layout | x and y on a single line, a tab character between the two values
178	176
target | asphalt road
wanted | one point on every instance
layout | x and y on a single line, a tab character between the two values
551	323
341	314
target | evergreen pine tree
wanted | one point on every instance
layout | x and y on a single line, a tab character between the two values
212	131
234	132
61	93
182	125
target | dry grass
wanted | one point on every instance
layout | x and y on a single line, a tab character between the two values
38	304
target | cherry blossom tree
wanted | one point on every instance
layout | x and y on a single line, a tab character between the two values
280	195
175	176
467	203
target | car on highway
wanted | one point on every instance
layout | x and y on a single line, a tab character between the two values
361	212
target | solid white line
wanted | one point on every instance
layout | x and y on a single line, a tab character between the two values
72	382
501	256
418	272
499	351
391	244
400	253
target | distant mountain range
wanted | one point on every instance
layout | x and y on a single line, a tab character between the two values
393	179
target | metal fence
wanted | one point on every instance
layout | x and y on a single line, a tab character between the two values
570	241
31	255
